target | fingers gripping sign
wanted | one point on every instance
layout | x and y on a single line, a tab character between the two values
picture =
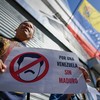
85	74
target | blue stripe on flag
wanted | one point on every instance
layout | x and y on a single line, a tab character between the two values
95	4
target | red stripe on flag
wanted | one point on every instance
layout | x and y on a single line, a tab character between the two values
92	52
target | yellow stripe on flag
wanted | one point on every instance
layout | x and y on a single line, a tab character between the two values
90	14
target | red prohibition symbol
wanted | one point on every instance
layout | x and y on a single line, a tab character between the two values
43	62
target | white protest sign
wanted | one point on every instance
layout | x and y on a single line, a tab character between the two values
93	94
42	71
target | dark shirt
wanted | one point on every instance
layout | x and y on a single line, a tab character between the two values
62	97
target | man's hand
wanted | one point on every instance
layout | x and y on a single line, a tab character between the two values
2	66
85	74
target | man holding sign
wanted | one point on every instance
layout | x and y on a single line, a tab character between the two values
24	33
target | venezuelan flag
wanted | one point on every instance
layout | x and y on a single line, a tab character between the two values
90	14
87	13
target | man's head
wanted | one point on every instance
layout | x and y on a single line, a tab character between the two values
25	31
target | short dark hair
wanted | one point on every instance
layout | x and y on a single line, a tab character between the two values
26	21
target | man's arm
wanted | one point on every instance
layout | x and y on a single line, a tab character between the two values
3	48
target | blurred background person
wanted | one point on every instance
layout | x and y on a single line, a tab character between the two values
98	84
